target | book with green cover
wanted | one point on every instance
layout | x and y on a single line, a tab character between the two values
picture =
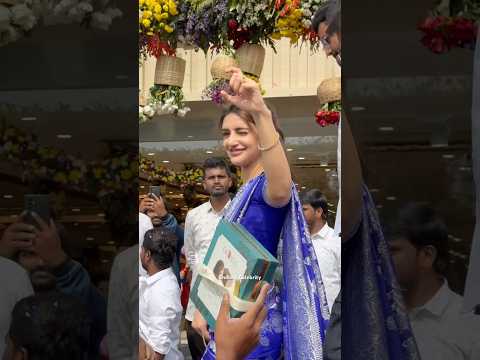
235	263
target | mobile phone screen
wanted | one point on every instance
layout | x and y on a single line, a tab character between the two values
39	204
155	190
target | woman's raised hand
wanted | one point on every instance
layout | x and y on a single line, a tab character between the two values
246	94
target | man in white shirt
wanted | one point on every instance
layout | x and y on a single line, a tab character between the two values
418	241
160	310
327	245
200	225
16	285
144	224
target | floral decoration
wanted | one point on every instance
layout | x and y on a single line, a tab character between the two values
157	25
329	114
17	19
118	173
166	99
451	25
213	90
189	177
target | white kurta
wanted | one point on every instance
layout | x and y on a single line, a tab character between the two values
472	290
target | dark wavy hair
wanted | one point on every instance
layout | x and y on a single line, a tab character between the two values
51	326
162	244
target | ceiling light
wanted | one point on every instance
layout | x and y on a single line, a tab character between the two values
8	196
448	156
323	164
358	108
151	154
176	205
301	158
104	261
328	170
190	136
89	238
391	198
209	152
165	161
101	215
76	210
386	128
29	118
304	187
374	190
64	136
110	242
142	186
290	149
170	192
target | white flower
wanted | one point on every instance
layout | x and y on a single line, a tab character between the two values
63	6
307	13
85	7
8	34
169	101
140	110
149	111
101	21
23	17
5	17
306	23
113	12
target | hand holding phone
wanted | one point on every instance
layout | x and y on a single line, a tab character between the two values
47	243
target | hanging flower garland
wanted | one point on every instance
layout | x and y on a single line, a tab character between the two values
329	94
17	19
90	13
157	25
443	31
329	114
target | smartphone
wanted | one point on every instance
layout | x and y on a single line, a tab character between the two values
155	190
39	204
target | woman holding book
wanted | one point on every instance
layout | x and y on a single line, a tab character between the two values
269	208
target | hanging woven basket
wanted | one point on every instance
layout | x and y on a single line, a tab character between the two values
251	57
219	66
170	70
329	90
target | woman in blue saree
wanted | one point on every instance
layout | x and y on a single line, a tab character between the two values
269	208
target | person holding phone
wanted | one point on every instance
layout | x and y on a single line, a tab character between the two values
154	207
50	268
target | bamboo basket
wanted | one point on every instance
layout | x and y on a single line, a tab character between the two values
251	57
219	66
170	70
329	90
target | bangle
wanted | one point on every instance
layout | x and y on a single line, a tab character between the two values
275	143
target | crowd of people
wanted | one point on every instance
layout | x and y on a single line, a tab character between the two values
390	299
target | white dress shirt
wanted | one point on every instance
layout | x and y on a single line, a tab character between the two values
160	313
442	331
16	285
200	225
144	224
122	333
328	249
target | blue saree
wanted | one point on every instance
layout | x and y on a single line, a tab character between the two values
298	313
375	324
